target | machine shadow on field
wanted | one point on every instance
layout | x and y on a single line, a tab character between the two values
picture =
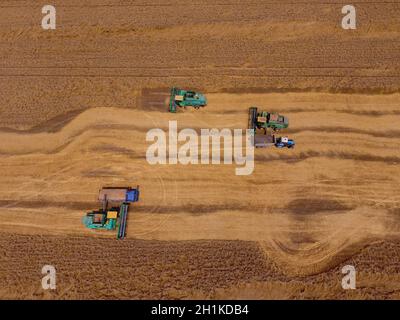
305	206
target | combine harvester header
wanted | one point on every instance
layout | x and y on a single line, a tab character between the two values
109	219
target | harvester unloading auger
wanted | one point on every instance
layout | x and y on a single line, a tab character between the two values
116	216
263	121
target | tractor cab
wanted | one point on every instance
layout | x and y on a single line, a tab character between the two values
191	95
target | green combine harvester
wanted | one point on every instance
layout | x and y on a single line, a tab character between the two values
102	219
117	216
264	120
183	98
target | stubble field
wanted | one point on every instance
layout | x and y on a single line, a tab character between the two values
76	104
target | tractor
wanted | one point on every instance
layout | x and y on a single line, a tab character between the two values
284	142
269	140
109	219
183	98
264	120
